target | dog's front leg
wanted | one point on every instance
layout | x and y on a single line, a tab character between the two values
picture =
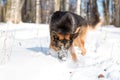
79	42
73	54
81	39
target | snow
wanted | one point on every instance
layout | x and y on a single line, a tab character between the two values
24	55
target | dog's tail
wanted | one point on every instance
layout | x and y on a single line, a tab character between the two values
96	22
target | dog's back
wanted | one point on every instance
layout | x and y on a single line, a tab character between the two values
66	22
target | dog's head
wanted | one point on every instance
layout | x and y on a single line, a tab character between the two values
62	41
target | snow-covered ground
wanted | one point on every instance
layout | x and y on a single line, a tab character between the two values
24	55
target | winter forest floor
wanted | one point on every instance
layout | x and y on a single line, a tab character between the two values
24	55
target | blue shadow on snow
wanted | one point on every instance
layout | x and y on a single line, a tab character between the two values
39	49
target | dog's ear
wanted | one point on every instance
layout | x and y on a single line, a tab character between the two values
73	36
54	34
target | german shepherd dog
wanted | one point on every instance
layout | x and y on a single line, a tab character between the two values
67	30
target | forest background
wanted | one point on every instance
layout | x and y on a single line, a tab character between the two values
40	11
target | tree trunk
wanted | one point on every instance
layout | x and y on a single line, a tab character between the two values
38	17
2	12
14	11
47	10
106	11
66	5
117	13
8	10
112	12
78	7
57	5
92	11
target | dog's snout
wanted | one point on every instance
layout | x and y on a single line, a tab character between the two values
64	41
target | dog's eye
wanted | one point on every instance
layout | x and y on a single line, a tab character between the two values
55	38
66	41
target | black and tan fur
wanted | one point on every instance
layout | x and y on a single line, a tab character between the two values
68	30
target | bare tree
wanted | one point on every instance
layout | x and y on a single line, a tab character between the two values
8	10
106	4
29	11
92	11
2	13
14	11
38	11
57	5
78	7
66	5
116	12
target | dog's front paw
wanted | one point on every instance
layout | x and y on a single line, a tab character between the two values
83	52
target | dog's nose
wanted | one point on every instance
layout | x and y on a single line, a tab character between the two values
64	41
